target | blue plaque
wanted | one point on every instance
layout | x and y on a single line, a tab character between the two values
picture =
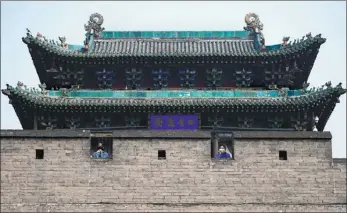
174	122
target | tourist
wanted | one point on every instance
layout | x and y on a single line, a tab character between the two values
100	153
222	153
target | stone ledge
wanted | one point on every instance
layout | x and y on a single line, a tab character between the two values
171	207
15	133
282	135
142	134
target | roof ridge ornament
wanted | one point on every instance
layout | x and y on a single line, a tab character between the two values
43	88
94	29
94	25
285	41
63	42
255	28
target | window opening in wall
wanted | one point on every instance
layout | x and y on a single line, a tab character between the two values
39	153
161	154
222	146
283	155
101	145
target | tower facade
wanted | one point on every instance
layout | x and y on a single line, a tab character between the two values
174	80
162	103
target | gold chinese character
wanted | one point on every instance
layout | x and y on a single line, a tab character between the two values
190	122
159	122
170	122
181	122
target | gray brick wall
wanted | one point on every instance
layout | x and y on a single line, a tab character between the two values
188	180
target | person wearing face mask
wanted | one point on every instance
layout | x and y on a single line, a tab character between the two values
222	153
100	153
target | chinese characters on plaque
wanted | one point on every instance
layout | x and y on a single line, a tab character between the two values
174	122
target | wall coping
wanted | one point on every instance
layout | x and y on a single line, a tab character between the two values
154	134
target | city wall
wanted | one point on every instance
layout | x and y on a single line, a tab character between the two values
188	180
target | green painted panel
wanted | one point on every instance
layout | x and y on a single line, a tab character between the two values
175	93
174	34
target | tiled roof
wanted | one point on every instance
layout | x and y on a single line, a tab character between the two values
312	99
172	47
178	47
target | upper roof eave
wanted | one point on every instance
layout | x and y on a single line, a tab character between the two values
224	46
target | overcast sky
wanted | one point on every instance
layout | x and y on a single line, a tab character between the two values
294	19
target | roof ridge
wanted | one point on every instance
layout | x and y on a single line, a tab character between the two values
170	39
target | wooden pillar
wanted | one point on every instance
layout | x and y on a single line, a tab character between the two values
35	121
215	146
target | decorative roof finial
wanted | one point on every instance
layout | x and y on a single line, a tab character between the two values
63	42
285	41
255	26
253	22
28	32
328	84
94	25
43	88
20	84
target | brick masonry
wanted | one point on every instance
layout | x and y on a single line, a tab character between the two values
188	180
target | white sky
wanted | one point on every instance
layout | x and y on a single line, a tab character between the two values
293	19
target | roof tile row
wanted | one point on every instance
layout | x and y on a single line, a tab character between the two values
313	98
172	47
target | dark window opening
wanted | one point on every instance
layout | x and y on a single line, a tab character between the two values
39	153
101	147
224	148
283	155
161	154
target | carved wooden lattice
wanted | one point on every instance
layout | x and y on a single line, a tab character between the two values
73	122
65	76
215	121
299	121
132	121
214	78
160	78
279	75
245	121
133	78
187	78
105	79
275	122
102	122
48	121
243	78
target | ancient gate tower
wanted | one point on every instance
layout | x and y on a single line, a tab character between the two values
162	103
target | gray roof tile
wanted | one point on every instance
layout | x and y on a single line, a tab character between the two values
178	47
173	47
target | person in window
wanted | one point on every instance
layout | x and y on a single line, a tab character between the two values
222	153
100	153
